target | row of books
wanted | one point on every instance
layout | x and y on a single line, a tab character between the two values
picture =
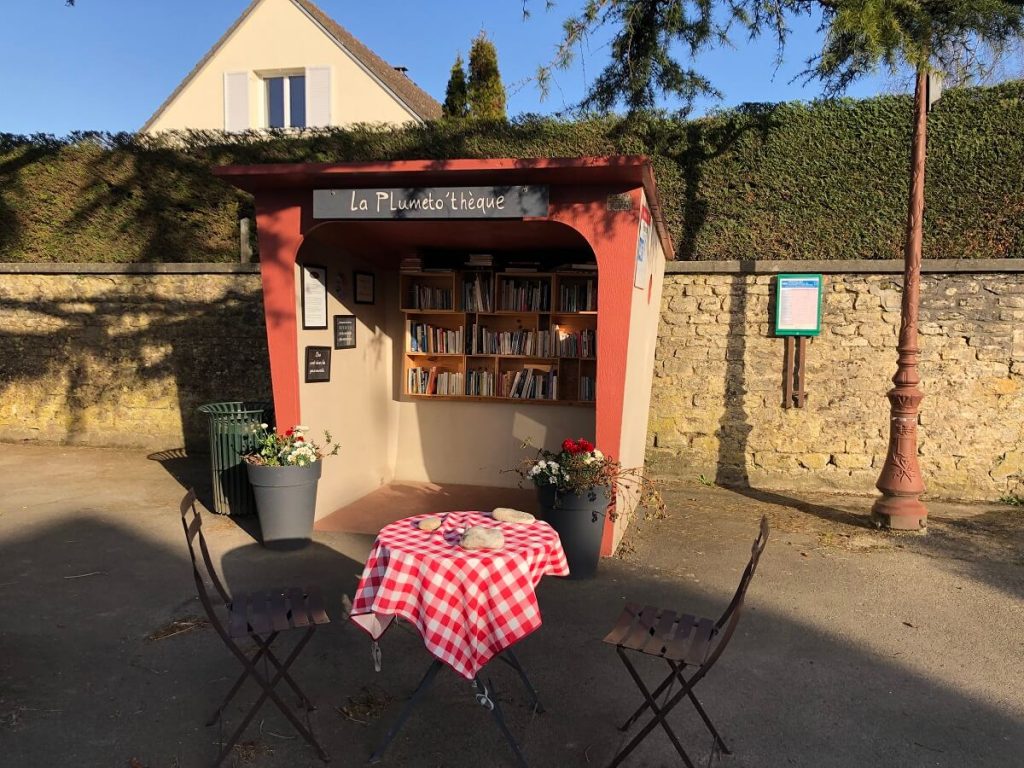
529	384
520	342
430	381
411	264
429	297
483	260
577	343
525	295
480	383
477	294
441	341
588	390
577	297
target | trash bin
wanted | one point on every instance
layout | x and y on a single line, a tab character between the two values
231	437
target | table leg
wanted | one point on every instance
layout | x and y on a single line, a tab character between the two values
425	683
486	698
509	657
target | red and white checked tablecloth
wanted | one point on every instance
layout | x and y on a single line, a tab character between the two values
469	605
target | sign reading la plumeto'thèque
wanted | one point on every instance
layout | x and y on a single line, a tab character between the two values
503	202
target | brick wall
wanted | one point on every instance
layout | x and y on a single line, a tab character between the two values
717	399
123	358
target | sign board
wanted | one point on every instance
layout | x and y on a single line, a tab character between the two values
798	305
318	364
504	202
643	245
344	331
314	297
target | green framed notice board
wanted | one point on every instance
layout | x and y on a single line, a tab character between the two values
798	305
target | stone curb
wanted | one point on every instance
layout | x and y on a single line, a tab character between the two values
837	267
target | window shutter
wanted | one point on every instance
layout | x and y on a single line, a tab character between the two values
236	101
318	97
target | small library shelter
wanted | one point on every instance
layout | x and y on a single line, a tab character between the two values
435	316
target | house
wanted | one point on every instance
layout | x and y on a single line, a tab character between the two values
286	64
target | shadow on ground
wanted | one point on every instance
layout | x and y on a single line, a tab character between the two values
845	656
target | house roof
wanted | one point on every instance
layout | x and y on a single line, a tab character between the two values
418	101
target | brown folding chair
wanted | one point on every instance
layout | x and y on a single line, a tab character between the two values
260	617
682	640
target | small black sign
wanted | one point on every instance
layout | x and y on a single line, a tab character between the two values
318	364
344	331
505	202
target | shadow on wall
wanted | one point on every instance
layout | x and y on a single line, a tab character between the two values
120	365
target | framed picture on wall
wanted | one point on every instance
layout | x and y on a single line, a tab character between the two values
314	297
362	287
344	332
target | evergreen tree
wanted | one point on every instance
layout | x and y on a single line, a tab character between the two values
456	97
486	92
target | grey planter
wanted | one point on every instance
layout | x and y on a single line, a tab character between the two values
285	503
578	518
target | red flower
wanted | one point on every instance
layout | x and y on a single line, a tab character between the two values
569	446
585	445
288	432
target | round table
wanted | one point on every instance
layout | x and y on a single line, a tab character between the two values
468	605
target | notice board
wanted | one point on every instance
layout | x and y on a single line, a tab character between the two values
798	305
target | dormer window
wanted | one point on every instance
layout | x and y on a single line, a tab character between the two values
285	100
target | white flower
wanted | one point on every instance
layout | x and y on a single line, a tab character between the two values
541	464
553	466
552	480
534	471
588	460
598	455
263	426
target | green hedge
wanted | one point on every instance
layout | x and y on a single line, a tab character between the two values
784	181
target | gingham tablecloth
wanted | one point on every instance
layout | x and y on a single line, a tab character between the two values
468	605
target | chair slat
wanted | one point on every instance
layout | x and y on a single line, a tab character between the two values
675	648
239	623
279	611
622	625
315	601
260	618
640	632
701	641
662	634
297	602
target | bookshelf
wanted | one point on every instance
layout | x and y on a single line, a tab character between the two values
484	335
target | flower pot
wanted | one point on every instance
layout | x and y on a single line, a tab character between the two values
285	503
578	519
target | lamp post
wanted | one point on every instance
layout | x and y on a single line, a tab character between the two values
900	507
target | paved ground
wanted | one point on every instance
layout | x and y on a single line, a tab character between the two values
858	648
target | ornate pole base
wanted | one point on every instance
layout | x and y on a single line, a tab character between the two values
899	508
900	513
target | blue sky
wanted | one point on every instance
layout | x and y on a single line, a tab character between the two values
107	64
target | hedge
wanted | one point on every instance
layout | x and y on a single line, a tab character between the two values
826	180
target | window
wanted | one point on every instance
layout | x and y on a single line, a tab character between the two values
286	101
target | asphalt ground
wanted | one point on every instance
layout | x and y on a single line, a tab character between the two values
856	647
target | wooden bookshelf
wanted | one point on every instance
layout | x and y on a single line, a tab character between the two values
483	335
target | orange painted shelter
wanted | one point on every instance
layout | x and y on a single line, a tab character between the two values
403	453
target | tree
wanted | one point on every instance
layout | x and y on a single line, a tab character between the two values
931	37
456	97
486	92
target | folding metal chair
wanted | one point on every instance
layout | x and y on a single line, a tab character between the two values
261	617
682	640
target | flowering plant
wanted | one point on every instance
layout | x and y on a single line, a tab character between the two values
290	448
581	469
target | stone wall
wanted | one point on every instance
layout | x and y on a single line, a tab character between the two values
123	354
717	400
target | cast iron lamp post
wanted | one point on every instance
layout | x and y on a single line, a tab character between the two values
900	507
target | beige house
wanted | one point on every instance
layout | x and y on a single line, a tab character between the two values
286	64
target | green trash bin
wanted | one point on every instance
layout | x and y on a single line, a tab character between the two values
231	437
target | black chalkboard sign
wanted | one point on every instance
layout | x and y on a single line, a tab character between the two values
344	331
318	364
